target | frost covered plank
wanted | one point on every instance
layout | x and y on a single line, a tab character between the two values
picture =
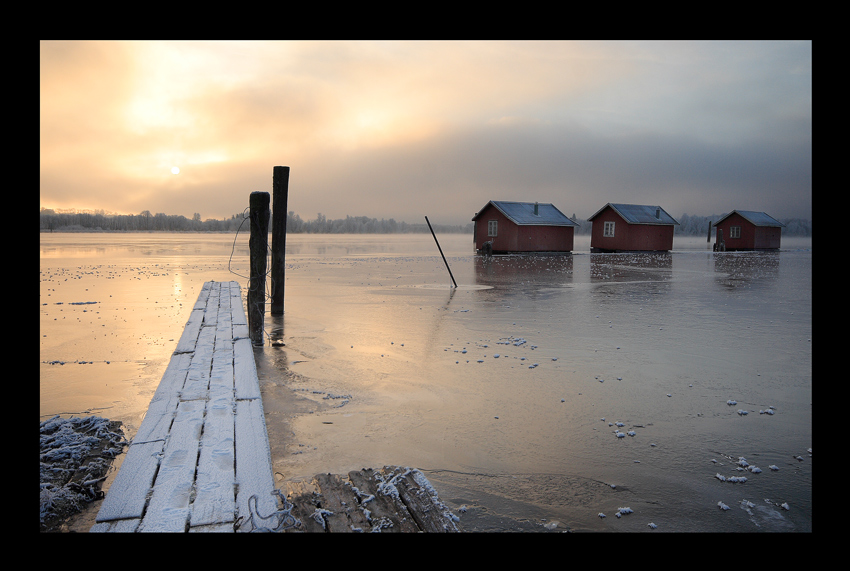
253	460
188	340
169	504
344	514
221	374
203	296
174	377
128	493
245	370
396	517
189	337
163	405
224	326
198	375
240	319
222	363
211	312
419	497
216	478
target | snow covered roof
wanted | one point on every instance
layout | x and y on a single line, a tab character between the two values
639	214
522	213
755	218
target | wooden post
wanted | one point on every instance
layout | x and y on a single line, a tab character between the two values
280	195
258	245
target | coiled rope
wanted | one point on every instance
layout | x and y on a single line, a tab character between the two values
257	523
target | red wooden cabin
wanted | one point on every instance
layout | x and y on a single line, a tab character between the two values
508	227
748	230
631	228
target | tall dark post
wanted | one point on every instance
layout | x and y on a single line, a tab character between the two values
258	245
280	194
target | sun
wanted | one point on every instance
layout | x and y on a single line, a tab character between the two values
175	170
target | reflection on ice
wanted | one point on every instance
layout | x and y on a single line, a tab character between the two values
745	269
631	266
553	270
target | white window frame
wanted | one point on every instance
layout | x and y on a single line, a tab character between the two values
734	232
608	229
492	228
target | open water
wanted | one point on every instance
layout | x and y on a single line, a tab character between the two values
506	391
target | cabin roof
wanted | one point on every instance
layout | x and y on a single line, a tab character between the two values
755	218
522	213
639	214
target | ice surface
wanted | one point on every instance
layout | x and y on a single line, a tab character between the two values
376	319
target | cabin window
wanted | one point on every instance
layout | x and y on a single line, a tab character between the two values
608	230
734	231
492	228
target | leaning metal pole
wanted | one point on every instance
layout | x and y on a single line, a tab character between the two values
441	251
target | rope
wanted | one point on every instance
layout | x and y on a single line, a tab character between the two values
286	519
233	248
267	276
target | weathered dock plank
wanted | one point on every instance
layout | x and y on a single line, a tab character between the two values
305	498
163	405
386	513
215	499
418	497
127	496
204	436
254	475
168	510
245	370
392	499
342	504
189	337
238	315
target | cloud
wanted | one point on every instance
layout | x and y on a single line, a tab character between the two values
404	129
457	173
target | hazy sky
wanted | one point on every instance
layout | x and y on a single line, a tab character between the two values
408	129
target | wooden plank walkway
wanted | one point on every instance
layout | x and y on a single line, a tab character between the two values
202	450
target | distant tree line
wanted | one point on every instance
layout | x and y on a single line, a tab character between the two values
365	225
101	221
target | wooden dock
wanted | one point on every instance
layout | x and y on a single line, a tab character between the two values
201	461
201	454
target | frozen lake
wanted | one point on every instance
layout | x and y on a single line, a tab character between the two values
506	392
